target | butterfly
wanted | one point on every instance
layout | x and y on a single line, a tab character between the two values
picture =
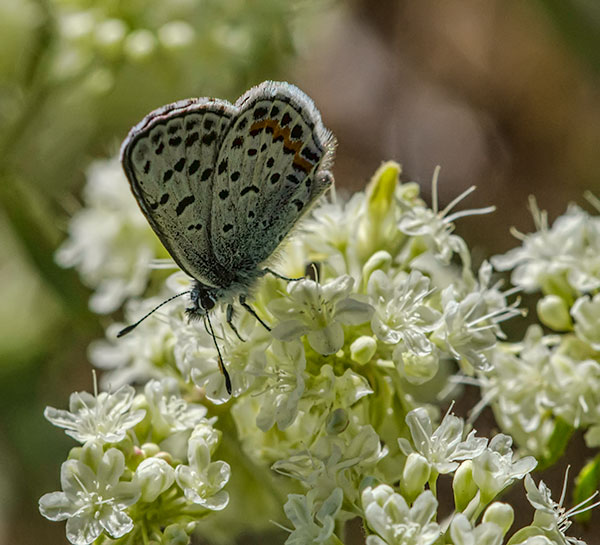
223	184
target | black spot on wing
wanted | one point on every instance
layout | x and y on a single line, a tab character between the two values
160	148
235	176
168	174
184	203
223	194
193	168
237	142
299	204
227	227
275	177
259	113
310	155
252	152
222	166
175	141
270	162
249	188
285	120
191	139
296	132
206	174
179	164
209	138
164	199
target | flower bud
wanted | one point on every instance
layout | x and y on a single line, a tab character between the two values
415	368
463	485
554	313
150	449
154	476
175	534
380	260
414	476
500	514
363	349
337	422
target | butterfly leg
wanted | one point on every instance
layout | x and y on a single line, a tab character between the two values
252	311
231	324
277	275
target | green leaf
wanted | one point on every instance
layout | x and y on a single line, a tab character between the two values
586	484
557	443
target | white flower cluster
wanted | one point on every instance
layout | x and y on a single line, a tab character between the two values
336	406
549	385
144	470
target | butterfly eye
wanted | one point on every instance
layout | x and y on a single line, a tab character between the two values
207	301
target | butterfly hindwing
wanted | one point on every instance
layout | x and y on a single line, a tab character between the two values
169	159
272	165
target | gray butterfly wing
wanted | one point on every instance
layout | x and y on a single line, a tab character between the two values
272	166
169	159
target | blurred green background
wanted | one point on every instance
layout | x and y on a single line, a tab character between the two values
503	94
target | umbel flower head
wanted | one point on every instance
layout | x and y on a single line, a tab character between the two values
338	399
155	473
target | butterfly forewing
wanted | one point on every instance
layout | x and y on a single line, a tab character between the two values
271	167
169	159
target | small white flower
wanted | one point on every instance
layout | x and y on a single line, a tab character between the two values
104	417
389	516
401	314
463	532
336	461
436	227
444	447
549	252
142	354
202	480
586	313
319	312
284	385
494	469
466	330
168	411
551	517
312	523
93	500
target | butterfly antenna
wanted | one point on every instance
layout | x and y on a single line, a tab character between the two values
220	358
131	327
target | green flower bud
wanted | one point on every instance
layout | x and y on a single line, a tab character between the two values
150	449
379	260
415	368
463	485
553	312
414	476
175	535
363	349
500	514
337	422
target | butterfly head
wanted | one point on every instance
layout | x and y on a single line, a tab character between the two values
204	298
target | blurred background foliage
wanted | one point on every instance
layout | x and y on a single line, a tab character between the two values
503	94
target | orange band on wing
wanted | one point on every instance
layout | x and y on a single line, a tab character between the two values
295	145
